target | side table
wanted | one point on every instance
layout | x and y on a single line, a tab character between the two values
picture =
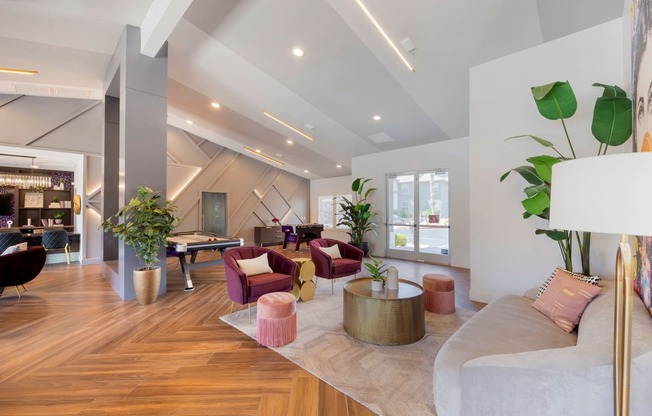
304	284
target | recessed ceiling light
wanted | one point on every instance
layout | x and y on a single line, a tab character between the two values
305	171
189	121
339	166
288	126
18	71
288	141
377	117
297	52
215	105
257	150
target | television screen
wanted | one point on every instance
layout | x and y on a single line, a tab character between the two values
6	201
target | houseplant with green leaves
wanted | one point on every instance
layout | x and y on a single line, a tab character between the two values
611	126
58	217
357	214
377	270
144	223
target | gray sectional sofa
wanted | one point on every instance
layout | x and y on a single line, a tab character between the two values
509	359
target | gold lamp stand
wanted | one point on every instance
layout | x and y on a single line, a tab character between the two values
623	327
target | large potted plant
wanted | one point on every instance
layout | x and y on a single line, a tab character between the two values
145	224
357	214
611	126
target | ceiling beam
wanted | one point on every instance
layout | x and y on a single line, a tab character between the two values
159	22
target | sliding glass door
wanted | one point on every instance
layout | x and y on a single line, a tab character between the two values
418	214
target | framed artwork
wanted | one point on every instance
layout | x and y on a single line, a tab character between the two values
33	200
642	92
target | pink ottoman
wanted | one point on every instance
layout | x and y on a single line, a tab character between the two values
439	294
276	319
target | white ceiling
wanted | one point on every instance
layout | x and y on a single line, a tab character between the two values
238	52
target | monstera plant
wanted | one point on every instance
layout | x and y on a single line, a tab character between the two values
611	126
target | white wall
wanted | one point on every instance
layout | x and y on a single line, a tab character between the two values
506	256
451	154
330	186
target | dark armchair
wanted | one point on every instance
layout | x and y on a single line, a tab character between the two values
54	239
327	267
21	267
245	289
10	238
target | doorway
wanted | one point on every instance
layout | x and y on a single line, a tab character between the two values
214	213
418	216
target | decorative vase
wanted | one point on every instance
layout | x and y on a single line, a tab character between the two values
392	278
147	284
376	285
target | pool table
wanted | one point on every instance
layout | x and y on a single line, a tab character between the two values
191	242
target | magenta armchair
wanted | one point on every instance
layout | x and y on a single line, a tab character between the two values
329	268
245	289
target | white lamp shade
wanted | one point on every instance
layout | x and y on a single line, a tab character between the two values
605	194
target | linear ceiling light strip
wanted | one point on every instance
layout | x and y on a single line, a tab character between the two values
382	32
288	126
264	156
18	71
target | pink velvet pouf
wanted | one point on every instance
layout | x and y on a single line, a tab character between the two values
439	294
276	319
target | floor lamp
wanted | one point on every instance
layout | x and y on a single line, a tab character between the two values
608	194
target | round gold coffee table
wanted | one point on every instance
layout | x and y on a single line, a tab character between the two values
389	317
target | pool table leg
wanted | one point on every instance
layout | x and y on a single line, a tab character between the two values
186	273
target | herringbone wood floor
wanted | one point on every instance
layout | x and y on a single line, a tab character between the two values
71	346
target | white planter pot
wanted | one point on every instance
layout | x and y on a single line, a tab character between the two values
376	285
147	284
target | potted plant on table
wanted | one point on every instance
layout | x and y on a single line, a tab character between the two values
145	224
58	217
357	214
377	269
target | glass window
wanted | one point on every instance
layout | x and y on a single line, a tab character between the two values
329	209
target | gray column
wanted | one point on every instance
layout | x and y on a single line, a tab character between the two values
142	145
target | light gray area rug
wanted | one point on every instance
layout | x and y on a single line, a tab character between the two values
391	381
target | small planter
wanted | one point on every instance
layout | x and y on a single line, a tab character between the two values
376	285
364	246
56	221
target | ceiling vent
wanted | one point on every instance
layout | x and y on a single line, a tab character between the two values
381	137
27	89
71	93
45	91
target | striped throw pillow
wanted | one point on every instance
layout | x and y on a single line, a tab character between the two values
594	280
564	301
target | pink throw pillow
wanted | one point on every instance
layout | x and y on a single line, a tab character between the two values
564	300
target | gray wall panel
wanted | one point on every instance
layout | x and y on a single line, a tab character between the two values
280	193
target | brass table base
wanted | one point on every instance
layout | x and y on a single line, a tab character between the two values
390	317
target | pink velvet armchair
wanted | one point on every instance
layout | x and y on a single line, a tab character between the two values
327	267
245	289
